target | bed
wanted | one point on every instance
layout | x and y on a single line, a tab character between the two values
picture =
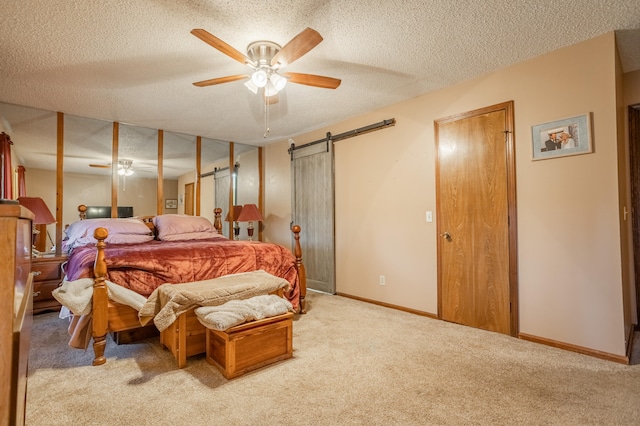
142	266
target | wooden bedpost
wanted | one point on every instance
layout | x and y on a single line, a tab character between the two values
100	320
82	211
302	273
217	222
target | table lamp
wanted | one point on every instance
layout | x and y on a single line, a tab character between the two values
250	213
234	219
42	214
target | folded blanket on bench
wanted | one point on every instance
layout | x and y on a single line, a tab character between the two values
168	301
236	312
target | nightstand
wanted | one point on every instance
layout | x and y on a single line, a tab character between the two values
47	277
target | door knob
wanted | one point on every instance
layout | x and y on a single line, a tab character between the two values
446	236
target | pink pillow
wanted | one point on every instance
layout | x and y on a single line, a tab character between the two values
175	224
121	231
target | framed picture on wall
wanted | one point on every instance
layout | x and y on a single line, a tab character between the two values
170	203
561	138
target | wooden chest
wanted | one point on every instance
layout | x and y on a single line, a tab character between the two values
184	338
250	345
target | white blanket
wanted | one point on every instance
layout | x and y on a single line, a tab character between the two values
77	295
236	312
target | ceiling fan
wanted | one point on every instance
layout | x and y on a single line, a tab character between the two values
124	167
267	59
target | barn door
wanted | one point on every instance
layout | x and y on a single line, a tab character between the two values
222	183
475	180
313	200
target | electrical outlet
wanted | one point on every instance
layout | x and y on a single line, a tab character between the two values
382	280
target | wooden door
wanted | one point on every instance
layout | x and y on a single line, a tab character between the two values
475	179
634	167
188	198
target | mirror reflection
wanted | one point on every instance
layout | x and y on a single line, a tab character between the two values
86	164
179	154
214	191
246	185
137	169
33	133
86	159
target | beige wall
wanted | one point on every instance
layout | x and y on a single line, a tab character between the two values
569	245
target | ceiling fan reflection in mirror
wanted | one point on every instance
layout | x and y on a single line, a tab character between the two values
124	167
267	59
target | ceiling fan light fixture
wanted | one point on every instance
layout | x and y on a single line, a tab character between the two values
251	86
259	78
278	81
124	167
269	90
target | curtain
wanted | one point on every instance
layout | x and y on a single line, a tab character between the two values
5	166
22	185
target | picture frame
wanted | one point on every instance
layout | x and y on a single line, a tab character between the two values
171	203
562	138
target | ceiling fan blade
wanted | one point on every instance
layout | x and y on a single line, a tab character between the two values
313	80
220	80
298	46
223	47
101	166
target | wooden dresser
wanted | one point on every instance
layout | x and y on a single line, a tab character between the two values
16	296
47	276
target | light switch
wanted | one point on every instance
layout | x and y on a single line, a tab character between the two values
429	216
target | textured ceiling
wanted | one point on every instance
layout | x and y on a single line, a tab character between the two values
135	61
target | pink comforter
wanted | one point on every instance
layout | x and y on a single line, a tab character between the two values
144	267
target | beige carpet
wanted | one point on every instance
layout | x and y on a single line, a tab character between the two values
354	364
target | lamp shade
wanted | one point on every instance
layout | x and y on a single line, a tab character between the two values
250	213
39	208
236	214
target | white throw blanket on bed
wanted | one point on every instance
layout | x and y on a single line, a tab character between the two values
77	295
236	312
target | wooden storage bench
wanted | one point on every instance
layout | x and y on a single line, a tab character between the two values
184	338
251	345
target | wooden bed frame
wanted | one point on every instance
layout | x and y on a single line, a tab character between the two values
109	316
